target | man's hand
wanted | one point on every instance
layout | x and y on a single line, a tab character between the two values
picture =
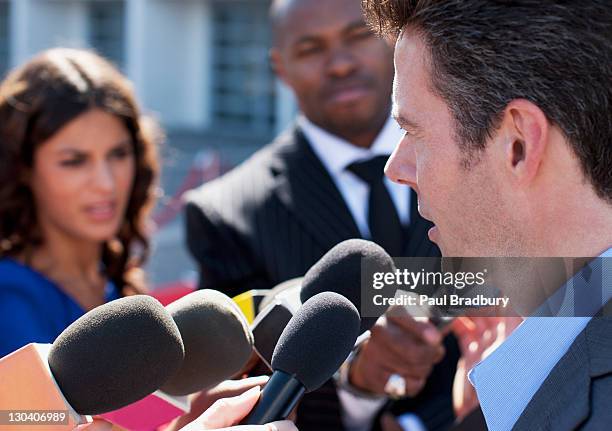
478	337
225	413
399	345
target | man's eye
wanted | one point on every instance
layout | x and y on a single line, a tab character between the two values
406	132
308	50
364	34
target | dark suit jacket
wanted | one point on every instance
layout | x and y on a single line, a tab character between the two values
270	220
577	394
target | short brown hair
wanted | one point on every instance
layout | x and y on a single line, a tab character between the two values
485	53
36	101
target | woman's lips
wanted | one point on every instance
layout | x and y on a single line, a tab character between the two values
101	212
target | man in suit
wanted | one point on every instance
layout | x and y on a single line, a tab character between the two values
320	183
507	113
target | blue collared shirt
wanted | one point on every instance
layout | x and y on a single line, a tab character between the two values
510	376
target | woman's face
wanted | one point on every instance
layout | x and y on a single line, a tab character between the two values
82	178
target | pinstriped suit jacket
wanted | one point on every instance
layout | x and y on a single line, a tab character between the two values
270	220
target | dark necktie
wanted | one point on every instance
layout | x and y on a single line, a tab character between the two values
385	226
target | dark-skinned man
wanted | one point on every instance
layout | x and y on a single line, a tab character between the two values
273	217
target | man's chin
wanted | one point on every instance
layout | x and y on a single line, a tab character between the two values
434	235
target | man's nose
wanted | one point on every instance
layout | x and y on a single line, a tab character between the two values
401	166
341	62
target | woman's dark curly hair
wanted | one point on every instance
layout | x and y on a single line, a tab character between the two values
36	101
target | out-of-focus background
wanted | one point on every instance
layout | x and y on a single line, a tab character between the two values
200	67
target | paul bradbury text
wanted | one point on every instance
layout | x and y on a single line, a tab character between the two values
450	300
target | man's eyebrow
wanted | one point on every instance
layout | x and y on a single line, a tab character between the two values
355	25
405	122
310	38
306	39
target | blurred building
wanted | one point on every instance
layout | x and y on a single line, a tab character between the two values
200	65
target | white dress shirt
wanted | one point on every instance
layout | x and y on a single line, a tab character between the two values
336	154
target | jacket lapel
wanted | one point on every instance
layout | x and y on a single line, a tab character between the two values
599	343
306	189
562	402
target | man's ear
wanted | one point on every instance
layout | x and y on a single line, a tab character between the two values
276	62
525	130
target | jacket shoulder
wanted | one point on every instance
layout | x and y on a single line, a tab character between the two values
247	188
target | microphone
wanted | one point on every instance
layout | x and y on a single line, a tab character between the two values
340	271
317	340
110	357
218	343
249	302
267	329
288	292
275	310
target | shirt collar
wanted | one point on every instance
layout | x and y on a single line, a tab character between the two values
510	376
336	153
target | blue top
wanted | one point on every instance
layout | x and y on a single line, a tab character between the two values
510	376
33	309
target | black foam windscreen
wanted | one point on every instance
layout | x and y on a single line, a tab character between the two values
339	270
268	327
217	338
317	340
116	354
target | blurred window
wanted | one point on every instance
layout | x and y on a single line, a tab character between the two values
243	82
4	37
107	29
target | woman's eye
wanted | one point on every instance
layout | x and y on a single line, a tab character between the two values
72	162
121	153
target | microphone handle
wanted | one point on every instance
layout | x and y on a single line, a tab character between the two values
278	398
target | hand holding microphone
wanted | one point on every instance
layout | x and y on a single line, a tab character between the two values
399	345
203	400
477	337
401	349
311	348
224	414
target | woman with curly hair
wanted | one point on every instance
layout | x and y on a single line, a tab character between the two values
77	175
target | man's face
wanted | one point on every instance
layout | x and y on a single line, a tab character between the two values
340	71
466	204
